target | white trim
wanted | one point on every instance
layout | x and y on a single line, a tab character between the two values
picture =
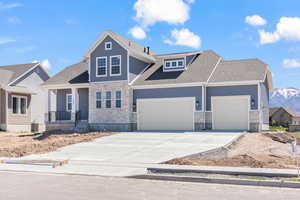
67	86
179	54
106	67
139	74
110	64
239	96
167	85
107	49
128	65
213	71
203	93
19	109
233	83
89	69
67	109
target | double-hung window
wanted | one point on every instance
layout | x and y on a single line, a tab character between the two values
101	66
19	105
118	99
98	100
108	99
115	65
69	102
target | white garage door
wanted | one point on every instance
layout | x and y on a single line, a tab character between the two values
230	112
166	114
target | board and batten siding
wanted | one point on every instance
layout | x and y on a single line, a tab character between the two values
239	90
101	52
19	119
61	99
170	93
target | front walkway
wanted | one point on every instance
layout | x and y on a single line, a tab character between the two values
128	153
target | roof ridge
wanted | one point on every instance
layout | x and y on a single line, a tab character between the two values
18	65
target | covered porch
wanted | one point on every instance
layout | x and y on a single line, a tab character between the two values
68	105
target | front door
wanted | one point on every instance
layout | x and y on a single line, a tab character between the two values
83	94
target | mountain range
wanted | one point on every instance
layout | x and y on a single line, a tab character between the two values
286	97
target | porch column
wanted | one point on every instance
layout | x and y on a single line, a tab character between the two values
75	103
51	106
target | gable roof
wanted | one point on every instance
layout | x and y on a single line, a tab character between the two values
198	70
74	74
288	110
134	48
273	110
11	73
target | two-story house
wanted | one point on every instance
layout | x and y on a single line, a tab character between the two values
123	86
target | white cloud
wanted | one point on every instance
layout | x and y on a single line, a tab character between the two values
46	64
255	20
138	33
288	29
184	37
6	40
14	20
149	12
4	6
291	63
70	22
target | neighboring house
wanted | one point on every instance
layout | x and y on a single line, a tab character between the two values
22	99
284	116
123	86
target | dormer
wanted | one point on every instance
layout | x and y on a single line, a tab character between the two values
174	64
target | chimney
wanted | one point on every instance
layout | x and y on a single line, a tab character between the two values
148	50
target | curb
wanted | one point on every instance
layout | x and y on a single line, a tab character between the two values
234	173
280	184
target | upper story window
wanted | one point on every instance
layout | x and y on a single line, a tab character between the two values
174	65
19	105
108	46
69	102
98	99
115	65
101	66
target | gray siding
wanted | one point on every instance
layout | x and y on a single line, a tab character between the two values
169	93
83	94
135	67
230	91
38	70
189	59
61	99
2	107
99	52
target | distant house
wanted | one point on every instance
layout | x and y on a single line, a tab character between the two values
284	116
22	99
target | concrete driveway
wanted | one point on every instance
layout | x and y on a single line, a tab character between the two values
122	154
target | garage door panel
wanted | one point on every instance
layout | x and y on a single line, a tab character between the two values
166	114
231	112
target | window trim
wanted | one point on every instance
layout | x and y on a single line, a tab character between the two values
177	68
98	99
106	47
67	95
19	109
116	56
116	99
106	99
106	66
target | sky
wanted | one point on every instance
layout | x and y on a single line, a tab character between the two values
58	33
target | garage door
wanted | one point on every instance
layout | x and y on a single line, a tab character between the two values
230	112
166	114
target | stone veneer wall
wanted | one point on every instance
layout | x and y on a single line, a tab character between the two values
110	119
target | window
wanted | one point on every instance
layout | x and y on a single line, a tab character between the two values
108	99
174	65
69	102
19	105
101	66
108	45
98	100
118	99
115	65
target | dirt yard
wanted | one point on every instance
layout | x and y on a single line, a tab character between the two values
253	150
18	145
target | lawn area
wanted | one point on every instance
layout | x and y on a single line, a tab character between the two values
280	128
296	135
